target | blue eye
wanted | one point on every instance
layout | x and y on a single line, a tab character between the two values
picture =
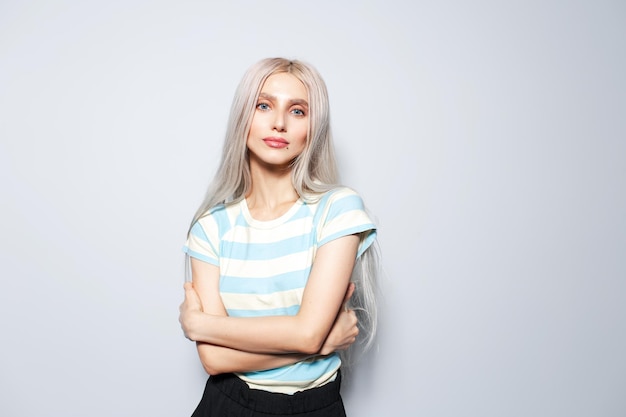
298	112
263	106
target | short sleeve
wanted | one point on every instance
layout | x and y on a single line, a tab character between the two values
203	240
344	214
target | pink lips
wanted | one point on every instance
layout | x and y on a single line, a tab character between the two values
278	143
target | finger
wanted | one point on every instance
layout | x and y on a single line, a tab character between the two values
190	291
192	299
349	291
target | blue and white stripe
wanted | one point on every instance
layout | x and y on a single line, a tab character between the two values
265	265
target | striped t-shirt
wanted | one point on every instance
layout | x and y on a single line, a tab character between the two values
264	266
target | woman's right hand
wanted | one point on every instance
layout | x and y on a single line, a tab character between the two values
189	310
345	330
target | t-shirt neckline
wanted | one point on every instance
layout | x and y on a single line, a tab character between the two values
268	224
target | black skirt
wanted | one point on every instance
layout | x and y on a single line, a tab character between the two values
228	396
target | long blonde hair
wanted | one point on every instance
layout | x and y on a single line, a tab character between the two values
313	172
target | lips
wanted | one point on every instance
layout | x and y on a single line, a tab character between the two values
274	142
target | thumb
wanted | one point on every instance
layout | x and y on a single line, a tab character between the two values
191	296
349	292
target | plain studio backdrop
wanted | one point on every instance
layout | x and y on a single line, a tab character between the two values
487	138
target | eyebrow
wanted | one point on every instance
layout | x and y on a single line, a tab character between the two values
292	101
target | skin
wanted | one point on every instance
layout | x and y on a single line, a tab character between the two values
282	112
278	134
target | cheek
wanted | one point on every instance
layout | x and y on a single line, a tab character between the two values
254	127
253	124
303	133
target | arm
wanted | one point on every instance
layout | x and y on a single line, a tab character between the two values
219	359
303	333
203	295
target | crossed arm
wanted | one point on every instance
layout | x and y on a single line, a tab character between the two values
236	344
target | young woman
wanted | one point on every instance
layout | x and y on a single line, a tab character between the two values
282	258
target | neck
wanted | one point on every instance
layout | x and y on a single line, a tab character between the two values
271	193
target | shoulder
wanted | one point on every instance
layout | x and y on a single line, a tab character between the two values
214	211
339	193
341	203
343	190
342	213
221	210
219	217
344	196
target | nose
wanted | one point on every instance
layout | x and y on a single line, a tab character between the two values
279	122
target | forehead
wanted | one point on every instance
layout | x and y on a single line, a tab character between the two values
286	85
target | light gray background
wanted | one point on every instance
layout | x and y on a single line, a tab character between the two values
488	138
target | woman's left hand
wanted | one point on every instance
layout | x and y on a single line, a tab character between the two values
345	329
190	309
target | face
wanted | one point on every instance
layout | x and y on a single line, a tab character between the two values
280	123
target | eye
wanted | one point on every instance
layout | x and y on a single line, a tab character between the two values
263	106
298	112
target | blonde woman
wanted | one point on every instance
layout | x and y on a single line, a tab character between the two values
282	258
